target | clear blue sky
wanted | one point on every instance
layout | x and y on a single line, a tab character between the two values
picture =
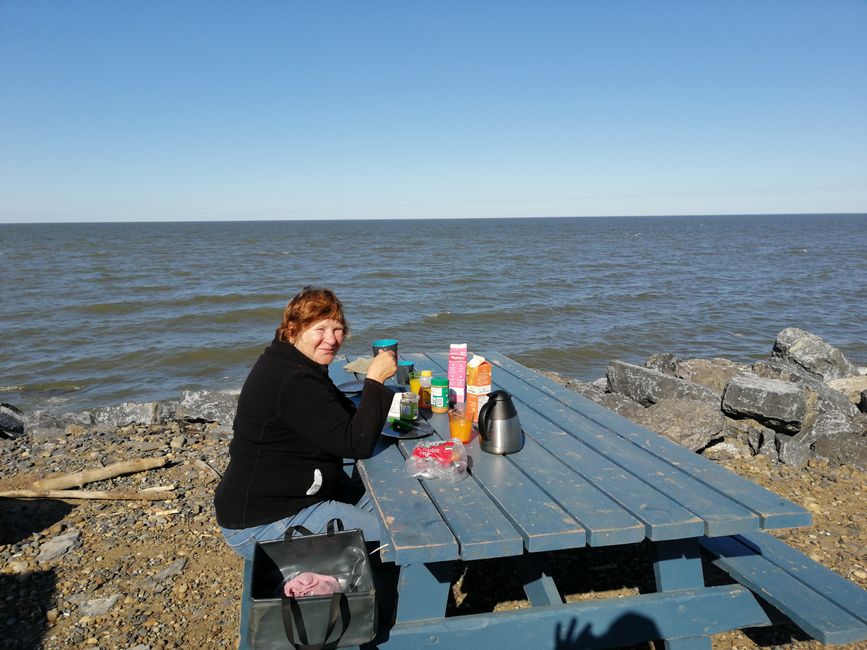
157	110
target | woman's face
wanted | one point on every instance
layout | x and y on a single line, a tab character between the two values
320	341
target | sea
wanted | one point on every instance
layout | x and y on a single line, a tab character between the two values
95	314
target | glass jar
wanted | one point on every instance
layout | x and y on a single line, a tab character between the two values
424	389
439	395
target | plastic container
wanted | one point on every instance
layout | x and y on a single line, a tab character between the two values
439	395
424	389
409	407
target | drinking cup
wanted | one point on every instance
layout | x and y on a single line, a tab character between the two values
415	382
461	425
384	344
404	368
409	407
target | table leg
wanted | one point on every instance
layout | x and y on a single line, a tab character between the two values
538	585
423	590
678	566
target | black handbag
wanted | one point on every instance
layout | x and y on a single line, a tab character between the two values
315	622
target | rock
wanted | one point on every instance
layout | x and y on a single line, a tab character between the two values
125	414
616	402
11	421
691	423
713	373
165	410
830	424
791	452
813	354
177	442
862	404
851	387
98	606
777	404
647	386
760	439
57	546
170	571
726	450
665	363
847	450
214	406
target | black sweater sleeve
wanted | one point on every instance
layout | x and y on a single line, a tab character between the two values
313	409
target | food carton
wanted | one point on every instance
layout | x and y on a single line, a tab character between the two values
478	384
457	372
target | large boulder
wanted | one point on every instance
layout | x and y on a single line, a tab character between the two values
647	386
713	373
213	406
851	387
779	405
756	436
843	450
666	363
792	452
124	414
829	412
616	402
691	423
813	354
862	403
11	421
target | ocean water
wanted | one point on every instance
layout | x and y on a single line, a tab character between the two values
100	313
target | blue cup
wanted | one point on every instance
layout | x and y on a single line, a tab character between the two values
384	344
404	368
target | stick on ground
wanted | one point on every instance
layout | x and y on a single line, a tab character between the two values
77	479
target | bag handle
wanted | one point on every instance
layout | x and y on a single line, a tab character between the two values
334	526
291	611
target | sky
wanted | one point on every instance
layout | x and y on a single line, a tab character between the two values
157	110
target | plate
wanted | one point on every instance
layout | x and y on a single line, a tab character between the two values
351	387
408	430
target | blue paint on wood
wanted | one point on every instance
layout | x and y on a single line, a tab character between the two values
244	639
416	532
821	617
541	521
538	585
423	591
610	623
773	510
720	514
847	595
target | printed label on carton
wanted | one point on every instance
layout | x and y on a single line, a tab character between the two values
457	370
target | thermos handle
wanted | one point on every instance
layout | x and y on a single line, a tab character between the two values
483	418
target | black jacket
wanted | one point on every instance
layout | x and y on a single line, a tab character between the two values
291	423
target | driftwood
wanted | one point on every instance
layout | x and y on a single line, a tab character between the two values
77	479
151	494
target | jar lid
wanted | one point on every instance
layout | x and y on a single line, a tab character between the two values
440	381
426	373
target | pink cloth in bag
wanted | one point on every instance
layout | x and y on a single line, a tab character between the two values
311	584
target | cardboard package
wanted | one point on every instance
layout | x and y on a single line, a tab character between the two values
478	384
457	372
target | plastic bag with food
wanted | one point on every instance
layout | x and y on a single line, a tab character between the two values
445	460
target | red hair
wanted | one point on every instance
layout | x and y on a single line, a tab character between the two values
309	306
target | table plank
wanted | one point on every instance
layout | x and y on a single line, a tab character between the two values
541	521
773	511
415	529
482	530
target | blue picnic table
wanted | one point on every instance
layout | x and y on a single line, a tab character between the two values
588	477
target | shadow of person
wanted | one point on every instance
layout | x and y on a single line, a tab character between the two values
627	630
20	518
23	625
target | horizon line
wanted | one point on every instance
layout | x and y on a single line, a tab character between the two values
455	218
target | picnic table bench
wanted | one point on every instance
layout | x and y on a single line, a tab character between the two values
587	477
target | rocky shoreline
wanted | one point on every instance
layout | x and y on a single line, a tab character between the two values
149	574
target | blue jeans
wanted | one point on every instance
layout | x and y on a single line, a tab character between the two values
315	518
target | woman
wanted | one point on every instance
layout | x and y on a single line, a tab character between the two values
293	428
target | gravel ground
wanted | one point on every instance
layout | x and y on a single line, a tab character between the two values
156	574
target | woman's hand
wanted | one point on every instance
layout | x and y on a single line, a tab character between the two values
383	366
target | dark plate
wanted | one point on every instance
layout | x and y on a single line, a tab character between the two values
408	430
351	387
